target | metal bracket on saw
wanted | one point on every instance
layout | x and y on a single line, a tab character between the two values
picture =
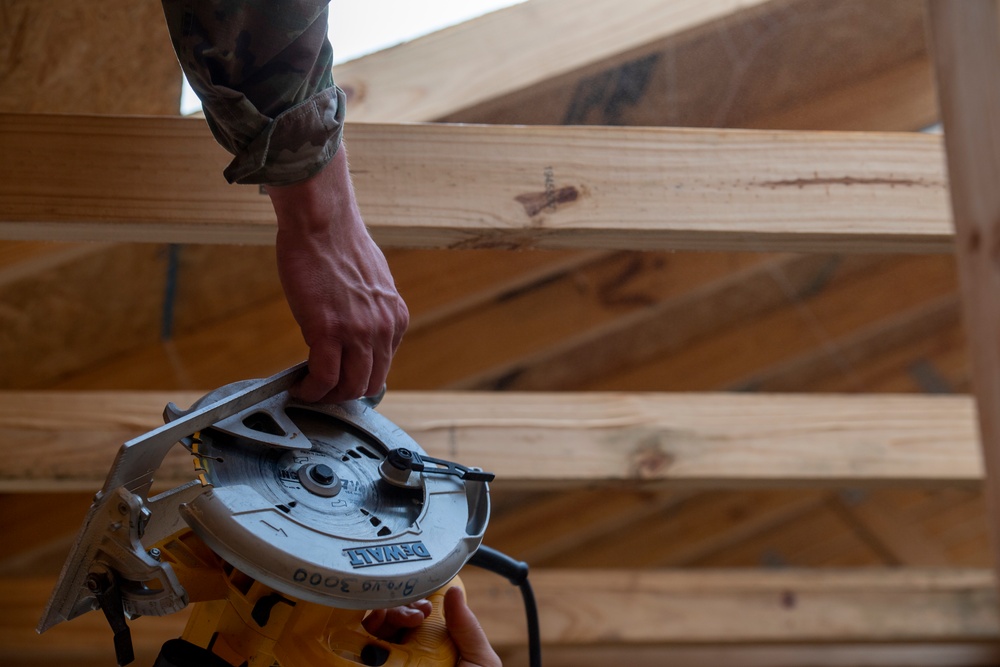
121	513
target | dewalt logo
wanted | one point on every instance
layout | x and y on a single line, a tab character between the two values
387	554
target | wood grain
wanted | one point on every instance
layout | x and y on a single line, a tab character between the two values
601	607
858	293
512	49
966	48
66	441
495	187
740	71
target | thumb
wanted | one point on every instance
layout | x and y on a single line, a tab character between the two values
465	631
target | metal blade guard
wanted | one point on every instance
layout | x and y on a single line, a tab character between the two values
331	504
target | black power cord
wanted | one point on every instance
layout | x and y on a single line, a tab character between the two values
516	572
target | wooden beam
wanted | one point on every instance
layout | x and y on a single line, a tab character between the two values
506	51
815	44
621	607
66	441
840	654
738	607
797	38
966	47
495	187
742	70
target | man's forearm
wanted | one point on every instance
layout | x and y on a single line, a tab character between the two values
263	72
338	286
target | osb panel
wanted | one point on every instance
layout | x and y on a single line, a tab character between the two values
65	56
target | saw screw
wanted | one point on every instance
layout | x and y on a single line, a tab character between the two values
322	474
320	479
154	553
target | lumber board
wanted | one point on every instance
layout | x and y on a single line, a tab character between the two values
734	71
966	46
745	30
621	607
66	440
982	654
508	50
495	187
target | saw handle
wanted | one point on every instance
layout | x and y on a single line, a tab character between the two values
350	644
432	636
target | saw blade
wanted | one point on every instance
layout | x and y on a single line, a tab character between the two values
321	523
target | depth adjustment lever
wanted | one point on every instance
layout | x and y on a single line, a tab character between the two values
401	462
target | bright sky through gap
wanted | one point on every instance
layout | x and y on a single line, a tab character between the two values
358	27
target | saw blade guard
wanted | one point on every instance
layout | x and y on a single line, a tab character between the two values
297	496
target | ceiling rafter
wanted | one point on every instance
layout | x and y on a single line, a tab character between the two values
496	187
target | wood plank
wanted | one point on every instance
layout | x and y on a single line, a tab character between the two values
732	72
496	187
600	607
200	278
200	275
966	47
565	439
506	51
982	654
58	58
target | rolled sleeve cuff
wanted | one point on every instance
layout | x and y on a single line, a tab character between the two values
294	145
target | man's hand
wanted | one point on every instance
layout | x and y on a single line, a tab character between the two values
338	286
473	647
465	631
387	623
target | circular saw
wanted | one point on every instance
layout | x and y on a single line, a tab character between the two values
298	520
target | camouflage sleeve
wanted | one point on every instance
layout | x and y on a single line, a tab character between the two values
262	71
